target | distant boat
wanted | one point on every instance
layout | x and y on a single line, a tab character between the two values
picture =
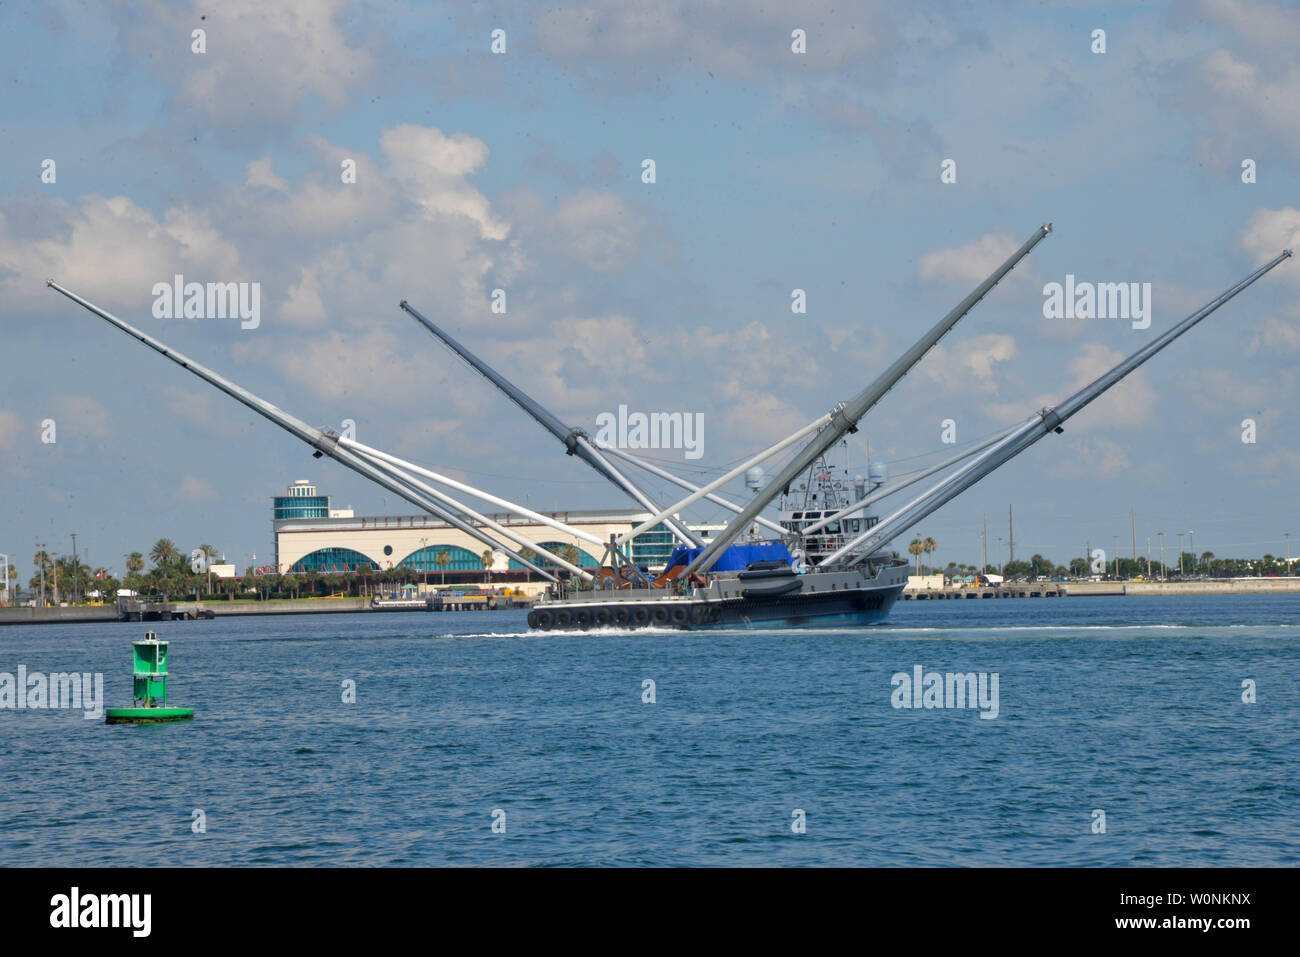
402	604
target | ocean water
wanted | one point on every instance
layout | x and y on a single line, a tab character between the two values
1130	706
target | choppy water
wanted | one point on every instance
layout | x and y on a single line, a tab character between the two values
1128	705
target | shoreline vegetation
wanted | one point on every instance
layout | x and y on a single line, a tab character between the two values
200	576
340	604
62	583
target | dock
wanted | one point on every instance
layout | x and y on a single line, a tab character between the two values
1034	590
136	609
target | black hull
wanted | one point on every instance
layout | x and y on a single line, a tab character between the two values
858	606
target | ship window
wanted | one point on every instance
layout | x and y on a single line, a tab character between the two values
833	528
812	514
797	515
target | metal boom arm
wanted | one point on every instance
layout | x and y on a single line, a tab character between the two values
574	439
845	417
1025	435
319	440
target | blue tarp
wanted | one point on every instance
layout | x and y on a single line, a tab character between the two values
736	557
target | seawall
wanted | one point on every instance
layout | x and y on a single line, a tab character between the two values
1228	586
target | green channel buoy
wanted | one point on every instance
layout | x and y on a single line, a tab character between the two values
149	674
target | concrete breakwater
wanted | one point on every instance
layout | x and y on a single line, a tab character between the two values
184	610
273	606
1038	590
1226	586
1230	586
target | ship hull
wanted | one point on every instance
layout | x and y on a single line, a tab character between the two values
868	607
858	602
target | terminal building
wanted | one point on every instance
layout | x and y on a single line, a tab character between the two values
310	535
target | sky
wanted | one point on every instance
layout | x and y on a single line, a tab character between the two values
522	171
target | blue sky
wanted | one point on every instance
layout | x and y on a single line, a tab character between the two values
775	171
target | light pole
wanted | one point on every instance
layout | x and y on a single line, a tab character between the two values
1116	537
1286	535
75	569
1164	572
1180	554
8	600
1191	538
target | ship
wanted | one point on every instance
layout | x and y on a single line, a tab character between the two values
823	558
756	583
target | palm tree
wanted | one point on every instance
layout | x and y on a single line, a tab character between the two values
43	564
929	545
486	560
916	547
571	554
163	552
442	560
209	553
529	555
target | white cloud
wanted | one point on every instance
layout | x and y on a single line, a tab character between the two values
971	262
11	427
1089	457
303	304
1246	87
1276	337
111	251
81	416
1267	233
262	61
1130	404
970	366
194	489
599	230
738	39
433	168
366	367
412	226
259	173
